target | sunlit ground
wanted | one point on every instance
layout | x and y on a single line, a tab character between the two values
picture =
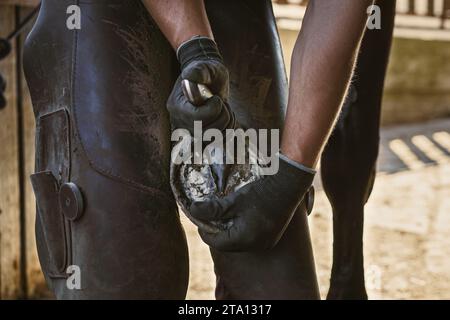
407	231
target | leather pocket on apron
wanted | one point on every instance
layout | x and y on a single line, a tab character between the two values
53	170
53	246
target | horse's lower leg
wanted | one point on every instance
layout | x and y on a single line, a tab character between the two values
348	162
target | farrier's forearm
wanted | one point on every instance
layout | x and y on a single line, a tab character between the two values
179	20
321	68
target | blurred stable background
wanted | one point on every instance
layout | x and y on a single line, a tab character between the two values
407	232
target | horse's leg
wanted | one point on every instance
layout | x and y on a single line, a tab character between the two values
246	33
349	160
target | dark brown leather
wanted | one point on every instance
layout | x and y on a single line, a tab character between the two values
54	249
112	79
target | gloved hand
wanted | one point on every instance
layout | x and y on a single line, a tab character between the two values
214	113
201	63
258	213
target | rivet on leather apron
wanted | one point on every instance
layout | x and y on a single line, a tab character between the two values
71	201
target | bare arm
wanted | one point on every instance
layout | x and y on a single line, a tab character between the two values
180	20
322	64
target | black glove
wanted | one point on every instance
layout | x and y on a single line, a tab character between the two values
214	113
258	213
201	63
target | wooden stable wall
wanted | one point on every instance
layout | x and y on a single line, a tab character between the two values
20	274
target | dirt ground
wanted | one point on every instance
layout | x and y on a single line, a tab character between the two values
407	230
